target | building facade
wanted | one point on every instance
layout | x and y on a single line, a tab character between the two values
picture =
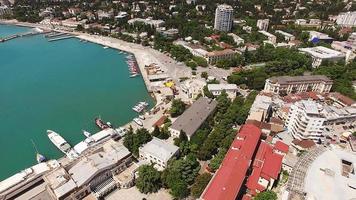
296	84
191	120
214	56
159	152
320	54
262	24
346	19
230	89
223	18
305	121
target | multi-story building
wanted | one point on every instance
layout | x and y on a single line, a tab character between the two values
192	88
230	89
159	152
346	19
262	24
271	38
214	56
90	174
191	120
296	84
308	119
238	40
320	54
223	18
287	36
147	21
305	120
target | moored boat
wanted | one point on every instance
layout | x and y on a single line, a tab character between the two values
58	141
138	121
101	124
40	158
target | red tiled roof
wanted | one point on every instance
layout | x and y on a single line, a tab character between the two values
280	146
267	164
228	180
160	121
272	166
343	99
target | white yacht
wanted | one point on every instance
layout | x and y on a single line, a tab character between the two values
58	141
138	121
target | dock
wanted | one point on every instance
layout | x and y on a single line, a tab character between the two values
61	38
14	36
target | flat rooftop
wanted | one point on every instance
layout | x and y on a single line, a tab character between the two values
322	52
330	184
194	116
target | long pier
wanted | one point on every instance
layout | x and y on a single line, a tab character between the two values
60	38
11	37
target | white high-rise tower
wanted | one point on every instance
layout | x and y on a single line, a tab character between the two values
223	18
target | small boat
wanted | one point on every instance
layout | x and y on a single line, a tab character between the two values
86	133
39	157
105	47
133	75
58	141
141	117
100	123
143	103
138	121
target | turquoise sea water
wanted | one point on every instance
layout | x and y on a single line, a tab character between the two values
61	86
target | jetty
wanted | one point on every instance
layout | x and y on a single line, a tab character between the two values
60	38
31	33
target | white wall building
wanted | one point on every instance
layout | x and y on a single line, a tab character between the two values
159	152
305	120
238	40
216	89
223	18
346	19
192	88
320	54
271	38
262	24
147	21
287	36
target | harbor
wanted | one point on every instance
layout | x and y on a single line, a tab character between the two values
41	101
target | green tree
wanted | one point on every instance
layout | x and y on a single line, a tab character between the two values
177	108
199	185
149	179
200	61
267	195
216	161
133	141
204	75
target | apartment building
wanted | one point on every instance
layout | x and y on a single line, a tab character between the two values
223	18
262	24
346	19
305	120
296	84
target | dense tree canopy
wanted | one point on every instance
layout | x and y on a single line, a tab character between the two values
133	141
149	179
199	185
177	108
